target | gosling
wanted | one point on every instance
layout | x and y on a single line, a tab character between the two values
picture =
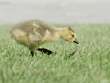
34	33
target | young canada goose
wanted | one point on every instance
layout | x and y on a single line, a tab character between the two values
34	33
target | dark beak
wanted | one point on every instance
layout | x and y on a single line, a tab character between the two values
76	41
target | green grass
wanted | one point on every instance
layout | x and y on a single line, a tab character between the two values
90	64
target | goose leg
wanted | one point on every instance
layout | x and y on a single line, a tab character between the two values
48	52
32	53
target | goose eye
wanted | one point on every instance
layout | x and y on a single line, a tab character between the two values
72	35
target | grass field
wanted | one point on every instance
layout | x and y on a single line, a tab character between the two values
90	64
